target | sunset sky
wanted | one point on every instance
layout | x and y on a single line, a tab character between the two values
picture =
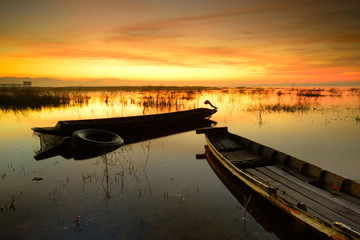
238	41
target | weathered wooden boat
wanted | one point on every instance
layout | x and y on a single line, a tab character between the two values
130	125
54	145
325	202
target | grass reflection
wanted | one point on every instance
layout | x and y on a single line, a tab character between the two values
119	168
299	107
310	92
149	100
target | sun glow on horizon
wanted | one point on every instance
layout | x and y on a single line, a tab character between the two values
108	68
211	42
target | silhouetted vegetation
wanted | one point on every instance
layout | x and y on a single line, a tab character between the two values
133	88
35	98
357	119
163	98
31	98
287	108
310	92
299	107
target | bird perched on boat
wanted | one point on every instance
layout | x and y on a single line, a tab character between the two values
208	102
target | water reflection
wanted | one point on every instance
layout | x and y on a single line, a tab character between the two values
53	145
117	169
155	189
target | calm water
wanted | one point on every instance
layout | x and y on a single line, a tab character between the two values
157	189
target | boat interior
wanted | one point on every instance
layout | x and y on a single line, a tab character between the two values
319	192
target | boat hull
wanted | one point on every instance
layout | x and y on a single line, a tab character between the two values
131	125
232	154
266	214
54	145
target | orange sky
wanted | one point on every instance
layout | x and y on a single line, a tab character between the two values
236	41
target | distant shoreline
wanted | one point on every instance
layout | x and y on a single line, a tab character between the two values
118	83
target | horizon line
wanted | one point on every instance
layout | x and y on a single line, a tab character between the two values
109	82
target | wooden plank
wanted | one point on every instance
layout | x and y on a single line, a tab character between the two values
320	192
267	153
251	163
302	177
244	159
351	187
321	196
314	208
241	155
211	130
310	170
329	209
309	178
330	179
223	143
243	141
229	143
285	193
213	139
254	146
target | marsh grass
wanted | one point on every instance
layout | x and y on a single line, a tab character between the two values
311	92
299	107
31	98
36	98
254	90
160	98
354	90
357	119
335	92
166	100
133	88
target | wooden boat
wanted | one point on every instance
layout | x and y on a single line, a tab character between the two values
54	145
325	202
131	125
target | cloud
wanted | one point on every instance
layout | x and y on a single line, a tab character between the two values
170	28
281	37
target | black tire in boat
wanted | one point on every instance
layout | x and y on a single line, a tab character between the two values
95	139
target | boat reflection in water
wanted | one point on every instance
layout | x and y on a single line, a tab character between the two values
54	145
270	218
